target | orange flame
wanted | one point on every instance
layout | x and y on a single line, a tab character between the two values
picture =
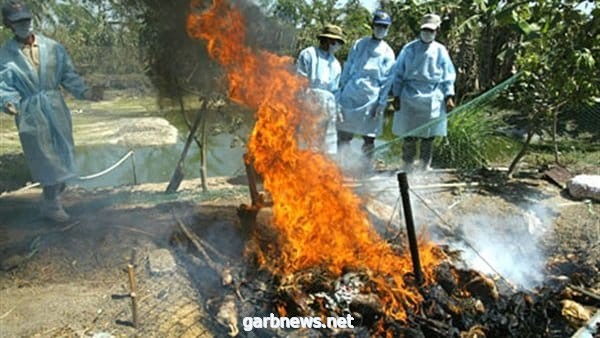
319	221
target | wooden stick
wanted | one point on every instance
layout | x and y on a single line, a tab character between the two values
585	292
212	249
133	295
196	242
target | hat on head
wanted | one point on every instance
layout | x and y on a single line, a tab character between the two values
431	21
382	18
15	10
332	32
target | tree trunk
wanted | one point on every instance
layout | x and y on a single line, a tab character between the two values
530	131
554	136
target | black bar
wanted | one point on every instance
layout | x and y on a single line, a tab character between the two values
251	174
410	227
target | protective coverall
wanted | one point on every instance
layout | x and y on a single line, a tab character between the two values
43	120
365	84
323	71
423	78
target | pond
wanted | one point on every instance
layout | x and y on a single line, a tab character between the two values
95	152
156	163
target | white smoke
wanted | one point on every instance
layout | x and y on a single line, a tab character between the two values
490	241
508	246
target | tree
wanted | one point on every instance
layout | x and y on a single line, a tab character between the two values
559	60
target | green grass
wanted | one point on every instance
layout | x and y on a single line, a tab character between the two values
473	141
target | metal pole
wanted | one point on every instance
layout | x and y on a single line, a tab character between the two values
410	227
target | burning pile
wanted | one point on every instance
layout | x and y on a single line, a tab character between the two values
319	222
326	257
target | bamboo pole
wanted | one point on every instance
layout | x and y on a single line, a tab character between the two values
133	295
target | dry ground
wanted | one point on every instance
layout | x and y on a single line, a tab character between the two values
65	280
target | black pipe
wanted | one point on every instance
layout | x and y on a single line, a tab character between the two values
251	174
410	227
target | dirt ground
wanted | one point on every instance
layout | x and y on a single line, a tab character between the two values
70	280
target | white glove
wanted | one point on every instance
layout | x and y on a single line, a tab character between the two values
340	115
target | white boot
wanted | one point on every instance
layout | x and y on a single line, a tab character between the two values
53	210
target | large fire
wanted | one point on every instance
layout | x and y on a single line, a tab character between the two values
319	221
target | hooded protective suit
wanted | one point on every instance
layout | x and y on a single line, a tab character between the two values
365	84
44	121
423	77
323	72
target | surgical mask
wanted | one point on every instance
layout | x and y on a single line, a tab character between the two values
380	32
22	29
334	47
427	36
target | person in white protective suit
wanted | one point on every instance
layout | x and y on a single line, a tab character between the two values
323	71
32	69
365	85
423	89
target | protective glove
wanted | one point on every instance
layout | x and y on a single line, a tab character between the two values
10	109
450	104
95	94
378	111
396	103
340	115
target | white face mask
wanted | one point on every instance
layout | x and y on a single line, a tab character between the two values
427	36
22	29
380	32
334	47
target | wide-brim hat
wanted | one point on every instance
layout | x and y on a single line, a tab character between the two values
15	10
431	21
332	32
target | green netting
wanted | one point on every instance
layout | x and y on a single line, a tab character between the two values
471	105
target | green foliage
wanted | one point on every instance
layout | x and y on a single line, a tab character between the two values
101	36
308	18
558	57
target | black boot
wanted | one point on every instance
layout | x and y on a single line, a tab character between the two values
409	150
426	153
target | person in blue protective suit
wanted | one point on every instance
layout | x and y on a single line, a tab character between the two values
323	71
423	89
32	69
365	85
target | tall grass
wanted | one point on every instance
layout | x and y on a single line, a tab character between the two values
473	141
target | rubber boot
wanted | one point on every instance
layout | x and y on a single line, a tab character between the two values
426	154
51	206
409	150
53	210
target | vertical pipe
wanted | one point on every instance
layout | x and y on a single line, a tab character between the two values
251	174
135	181
410	227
